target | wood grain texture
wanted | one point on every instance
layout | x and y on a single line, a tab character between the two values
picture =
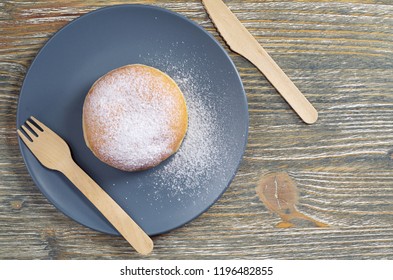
340	55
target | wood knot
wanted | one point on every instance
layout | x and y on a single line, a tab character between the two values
16	204
279	193
51	245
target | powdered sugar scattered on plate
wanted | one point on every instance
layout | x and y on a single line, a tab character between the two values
189	171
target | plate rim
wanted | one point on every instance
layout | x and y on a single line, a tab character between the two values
23	150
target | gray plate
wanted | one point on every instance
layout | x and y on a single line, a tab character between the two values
185	185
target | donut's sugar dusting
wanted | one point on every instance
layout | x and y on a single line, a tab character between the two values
132	138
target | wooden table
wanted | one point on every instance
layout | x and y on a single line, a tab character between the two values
338	52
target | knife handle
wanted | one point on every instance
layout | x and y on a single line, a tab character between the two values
276	76
242	42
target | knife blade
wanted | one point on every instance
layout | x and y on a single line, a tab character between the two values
240	40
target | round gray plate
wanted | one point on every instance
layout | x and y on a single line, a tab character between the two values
185	185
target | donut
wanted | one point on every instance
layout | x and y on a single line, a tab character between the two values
134	117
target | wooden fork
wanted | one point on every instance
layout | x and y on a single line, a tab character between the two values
53	152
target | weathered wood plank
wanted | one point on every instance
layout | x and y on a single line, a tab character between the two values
338	52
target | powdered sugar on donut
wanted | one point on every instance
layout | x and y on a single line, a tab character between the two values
133	112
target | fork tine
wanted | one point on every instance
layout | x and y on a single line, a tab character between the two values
43	127
29	133
24	138
33	127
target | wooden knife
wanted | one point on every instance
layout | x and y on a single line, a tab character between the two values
242	42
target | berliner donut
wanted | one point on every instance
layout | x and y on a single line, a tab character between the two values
134	117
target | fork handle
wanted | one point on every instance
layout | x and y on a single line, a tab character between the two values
124	224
